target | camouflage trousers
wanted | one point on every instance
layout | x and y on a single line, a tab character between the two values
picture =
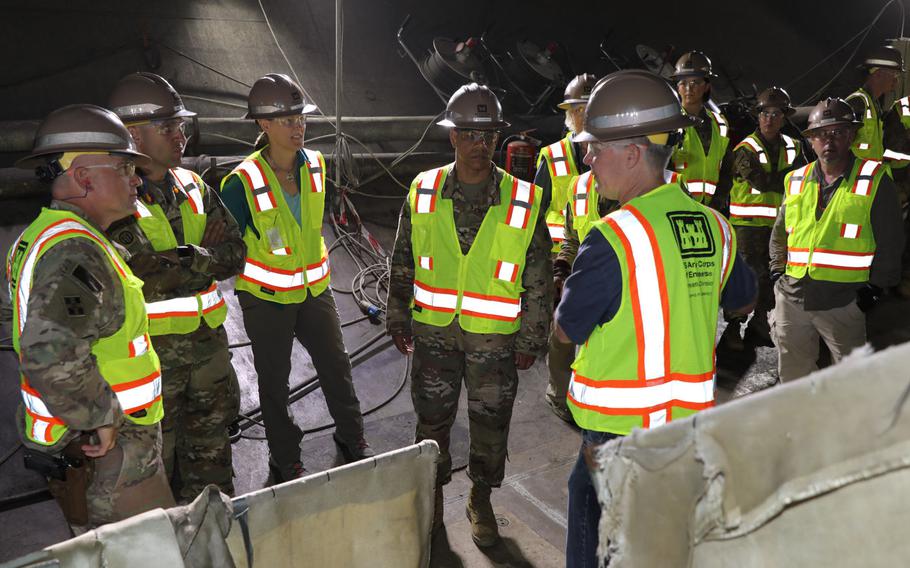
560	357
752	244
130	478
201	399
443	358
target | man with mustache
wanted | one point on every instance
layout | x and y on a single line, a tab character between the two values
470	296
836	243
183	241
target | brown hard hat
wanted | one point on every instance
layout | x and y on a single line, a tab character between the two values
631	103
275	95
146	96
774	97
831	112
885	57
693	64
473	106
578	91
81	128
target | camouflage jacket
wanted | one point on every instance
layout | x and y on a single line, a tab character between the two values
469	210
168	280
77	300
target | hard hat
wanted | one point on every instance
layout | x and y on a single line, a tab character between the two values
81	128
774	97
578	91
631	103
145	96
473	106
274	95
831	112
885	57
693	64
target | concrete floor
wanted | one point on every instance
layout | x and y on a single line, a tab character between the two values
530	506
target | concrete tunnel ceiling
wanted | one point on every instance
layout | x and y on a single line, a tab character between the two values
73	50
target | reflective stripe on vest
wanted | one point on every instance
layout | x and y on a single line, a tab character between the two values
317	176
139	394
830	259
520	207
752	210
726	246
284	280
187	306
254	175
42	419
762	156
790	148
721	122
427	187
490	307
557	232
188	184
699	187
559	162
141	210
582	187
864	179
797	181
435	299
507	271
57	229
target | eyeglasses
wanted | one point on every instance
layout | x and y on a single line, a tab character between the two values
691	83
596	147
772	114
291	121
127	168
488	137
830	133
168	128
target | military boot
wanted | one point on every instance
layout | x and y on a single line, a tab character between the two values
484	530
731	336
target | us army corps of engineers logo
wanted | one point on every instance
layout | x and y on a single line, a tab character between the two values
693	235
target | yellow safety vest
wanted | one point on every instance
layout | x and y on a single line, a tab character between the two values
125	359
840	246
482	288
288	260
562	167
653	362
181	314
749	206
699	171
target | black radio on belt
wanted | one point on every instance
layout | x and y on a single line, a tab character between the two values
47	465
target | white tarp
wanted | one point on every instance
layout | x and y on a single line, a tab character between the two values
376	512
810	473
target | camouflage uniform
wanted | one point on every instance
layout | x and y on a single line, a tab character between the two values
201	393
80	300
560	356
445	355
752	242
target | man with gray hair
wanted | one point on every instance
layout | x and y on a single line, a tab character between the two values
644	291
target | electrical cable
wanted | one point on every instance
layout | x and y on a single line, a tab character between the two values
863	33
201	64
10	453
288	61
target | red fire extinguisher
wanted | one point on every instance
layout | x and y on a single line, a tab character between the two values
520	154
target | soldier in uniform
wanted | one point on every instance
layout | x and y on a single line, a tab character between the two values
557	166
90	379
182	241
277	195
760	163
471	296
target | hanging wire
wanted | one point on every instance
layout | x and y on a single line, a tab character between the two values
201	64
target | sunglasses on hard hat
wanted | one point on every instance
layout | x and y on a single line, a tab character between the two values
488	137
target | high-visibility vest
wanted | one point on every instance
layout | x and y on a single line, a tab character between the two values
125	359
483	287
584	204
560	159
749	206
839	246
653	362
868	143
894	159
181	314
287	260
700	172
